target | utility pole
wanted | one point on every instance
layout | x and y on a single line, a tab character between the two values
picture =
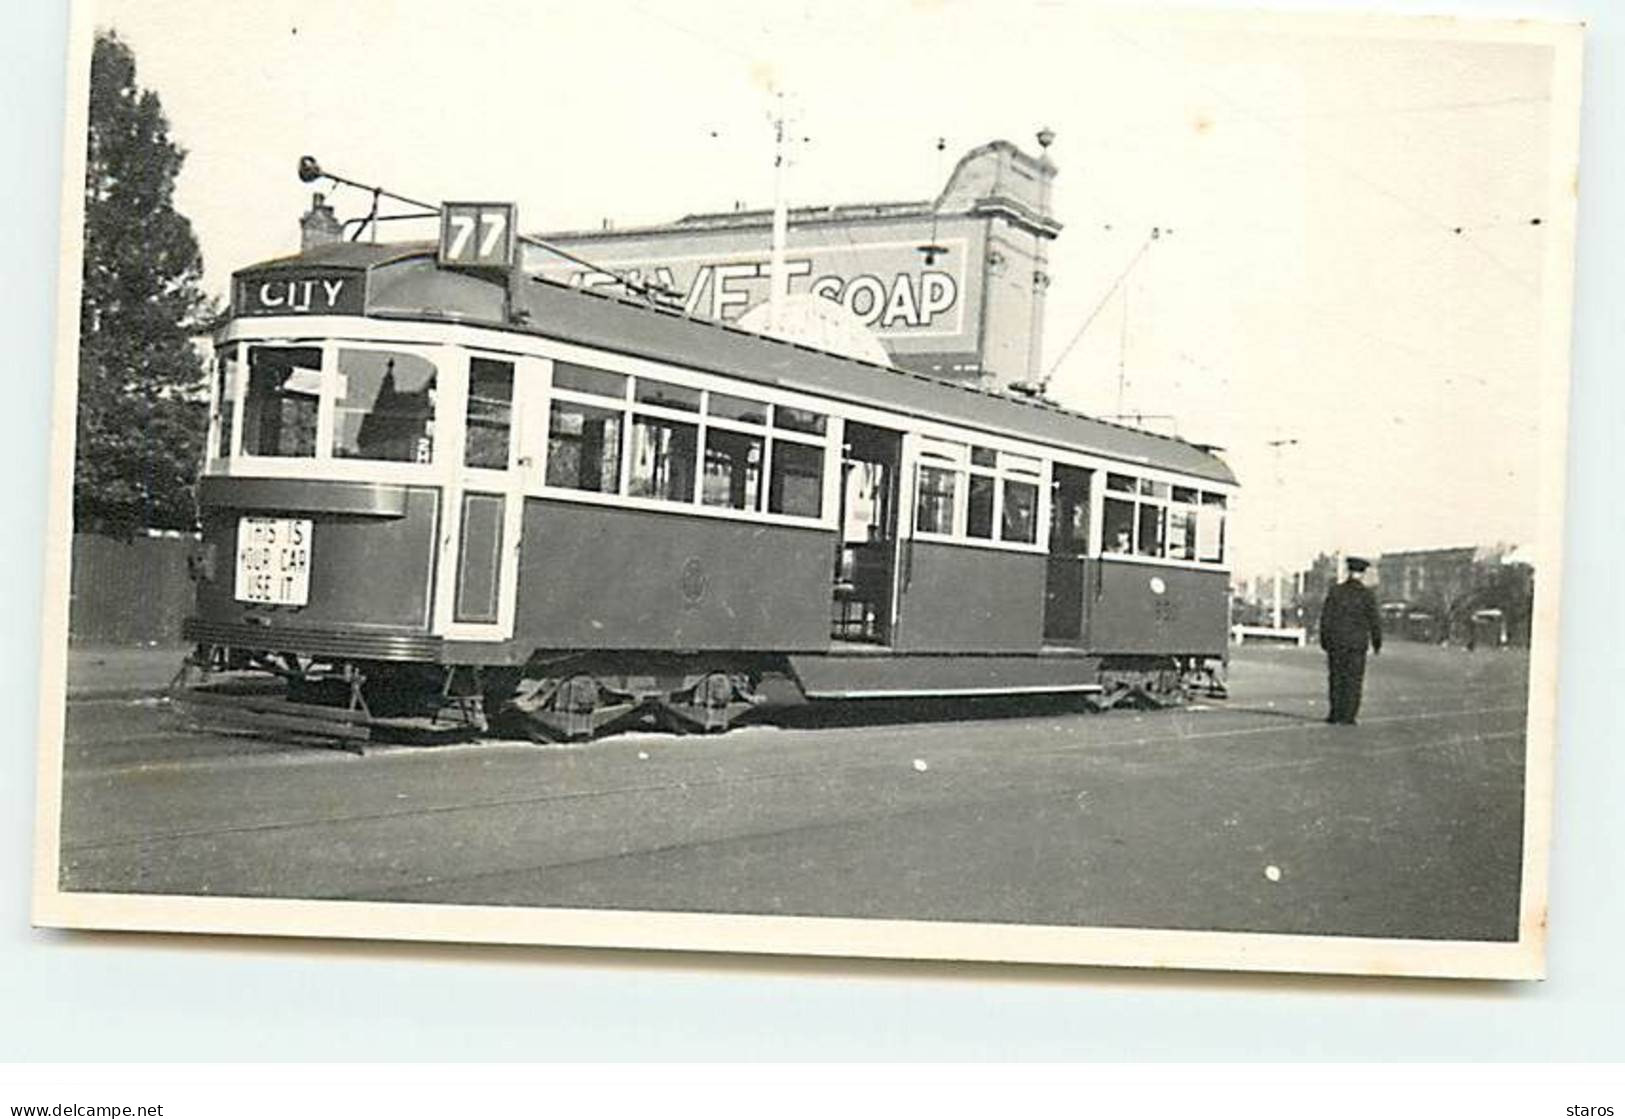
778	278
1122	352
1276	445
1035	316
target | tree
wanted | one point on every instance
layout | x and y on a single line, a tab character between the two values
141	419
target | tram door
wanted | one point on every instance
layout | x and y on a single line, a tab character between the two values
484	505
865	585
1068	545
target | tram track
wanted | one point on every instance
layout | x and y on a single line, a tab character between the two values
265	748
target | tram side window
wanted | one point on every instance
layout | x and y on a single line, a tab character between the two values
581	378
934	507
799	419
584	447
737	408
1117	524
868	501
1183	518
1210	529
796	486
284	395
1149	540
663	454
979	510
1020	521
226	398
667	395
733	469
385	406
490	413
685	444
1181	533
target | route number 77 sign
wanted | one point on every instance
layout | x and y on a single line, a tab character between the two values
478	234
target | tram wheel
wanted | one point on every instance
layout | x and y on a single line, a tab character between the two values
566	709
1139	686
715	701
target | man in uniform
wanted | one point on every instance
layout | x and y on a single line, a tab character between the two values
1348	623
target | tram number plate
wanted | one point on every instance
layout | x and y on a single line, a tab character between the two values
273	560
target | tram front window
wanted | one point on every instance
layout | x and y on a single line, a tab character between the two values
385	406
226	400
284	396
490	413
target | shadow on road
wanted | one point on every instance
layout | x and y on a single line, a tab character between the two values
1275	713
893	712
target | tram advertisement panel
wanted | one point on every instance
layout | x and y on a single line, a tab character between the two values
914	301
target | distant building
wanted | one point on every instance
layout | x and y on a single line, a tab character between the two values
1469	595
952	286
1438	576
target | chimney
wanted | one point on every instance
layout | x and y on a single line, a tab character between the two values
319	226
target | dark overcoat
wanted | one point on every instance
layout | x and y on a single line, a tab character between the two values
1350	621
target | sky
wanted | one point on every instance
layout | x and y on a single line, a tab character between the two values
1346	295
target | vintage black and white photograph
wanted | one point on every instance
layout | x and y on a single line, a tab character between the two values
972	481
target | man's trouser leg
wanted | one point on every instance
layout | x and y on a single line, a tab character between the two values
1334	691
1354	676
1346	669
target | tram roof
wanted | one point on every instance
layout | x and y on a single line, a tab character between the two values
404	281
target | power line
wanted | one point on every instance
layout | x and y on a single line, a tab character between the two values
1347	168
1155	233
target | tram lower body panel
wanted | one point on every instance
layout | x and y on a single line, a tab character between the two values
1137	608
626	616
363	564
597	577
958	599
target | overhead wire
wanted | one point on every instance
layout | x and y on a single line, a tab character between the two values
1347	168
1101	304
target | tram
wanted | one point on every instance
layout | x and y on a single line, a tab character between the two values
446	496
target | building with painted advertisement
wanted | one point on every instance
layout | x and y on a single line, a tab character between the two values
952	287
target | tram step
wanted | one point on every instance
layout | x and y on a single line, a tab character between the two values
272	705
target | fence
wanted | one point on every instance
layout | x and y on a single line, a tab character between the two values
128	592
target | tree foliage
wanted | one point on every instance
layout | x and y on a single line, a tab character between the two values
142	415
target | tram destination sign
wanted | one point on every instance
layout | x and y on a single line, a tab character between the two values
478	234
301	292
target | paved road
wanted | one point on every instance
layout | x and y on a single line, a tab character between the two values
1408	825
